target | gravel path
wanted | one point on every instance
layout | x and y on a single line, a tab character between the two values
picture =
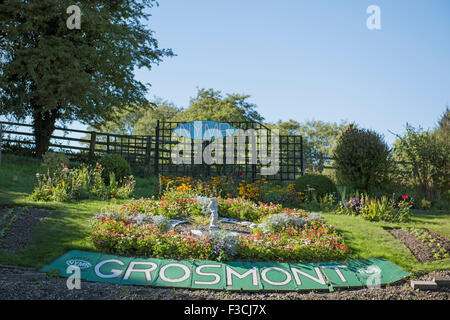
24	284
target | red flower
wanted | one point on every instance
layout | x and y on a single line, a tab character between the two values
405	196
240	173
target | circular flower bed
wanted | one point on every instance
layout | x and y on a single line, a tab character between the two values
145	228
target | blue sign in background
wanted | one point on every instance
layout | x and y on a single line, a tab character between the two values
204	130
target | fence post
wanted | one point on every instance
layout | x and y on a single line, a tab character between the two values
302	156
156	169
92	145
1	144
148	150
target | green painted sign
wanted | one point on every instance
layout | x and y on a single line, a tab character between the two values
248	276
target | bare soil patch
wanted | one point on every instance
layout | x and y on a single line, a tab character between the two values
17	232
421	250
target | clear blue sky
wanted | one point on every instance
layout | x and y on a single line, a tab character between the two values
308	60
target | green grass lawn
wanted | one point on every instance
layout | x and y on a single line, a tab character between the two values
68	226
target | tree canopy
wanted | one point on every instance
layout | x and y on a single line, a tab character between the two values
210	104
138	119
52	73
319	139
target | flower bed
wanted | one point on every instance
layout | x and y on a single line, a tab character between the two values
141	228
226	187
179	205
383	209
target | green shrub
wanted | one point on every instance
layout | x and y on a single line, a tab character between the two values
425	161
114	163
54	160
441	205
362	159
79	183
327	203
425	204
386	210
382	209
321	184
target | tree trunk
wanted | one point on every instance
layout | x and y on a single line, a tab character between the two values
43	127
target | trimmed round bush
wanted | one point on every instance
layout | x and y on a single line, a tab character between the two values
362	159
321	184
114	163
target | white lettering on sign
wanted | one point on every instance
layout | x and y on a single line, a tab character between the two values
282	283
199	271
115	273
319	279
230	272
228	276
339	273
162	272
147	271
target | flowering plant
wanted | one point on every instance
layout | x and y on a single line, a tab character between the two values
384	208
313	242
227	187
352	206
78	183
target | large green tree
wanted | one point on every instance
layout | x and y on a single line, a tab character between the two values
52	73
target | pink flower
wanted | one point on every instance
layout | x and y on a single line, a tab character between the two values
405	196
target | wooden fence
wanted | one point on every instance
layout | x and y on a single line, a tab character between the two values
137	150
151	154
